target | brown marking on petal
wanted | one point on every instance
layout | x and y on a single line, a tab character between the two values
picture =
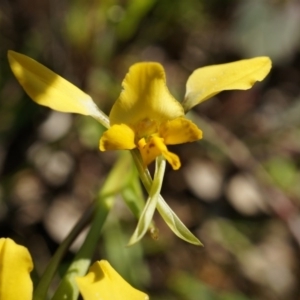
103	145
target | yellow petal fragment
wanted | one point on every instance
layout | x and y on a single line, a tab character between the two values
155	147
148	151
117	137
179	131
49	89
104	283
208	81
15	267
145	96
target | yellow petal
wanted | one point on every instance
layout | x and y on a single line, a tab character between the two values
155	147
117	137
145	96
103	282
178	131
148	151
49	89
15	266
208	81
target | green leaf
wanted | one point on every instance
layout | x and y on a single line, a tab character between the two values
115	182
166	212
175	223
147	214
133	195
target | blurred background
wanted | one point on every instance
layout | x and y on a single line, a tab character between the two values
238	189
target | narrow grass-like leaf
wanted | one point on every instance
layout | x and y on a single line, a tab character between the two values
147	214
133	194
175	223
166	212
114	184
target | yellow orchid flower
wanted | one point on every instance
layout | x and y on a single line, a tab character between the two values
103	282
15	267
145	116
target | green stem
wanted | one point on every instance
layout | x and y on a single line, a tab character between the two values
67	288
144	173
40	292
115	183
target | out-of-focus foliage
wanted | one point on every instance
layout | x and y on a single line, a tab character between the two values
272	27
238	189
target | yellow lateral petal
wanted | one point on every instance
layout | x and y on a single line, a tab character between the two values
49	89
103	282
155	147
145	96
117	137
178	131
15	267
208	81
